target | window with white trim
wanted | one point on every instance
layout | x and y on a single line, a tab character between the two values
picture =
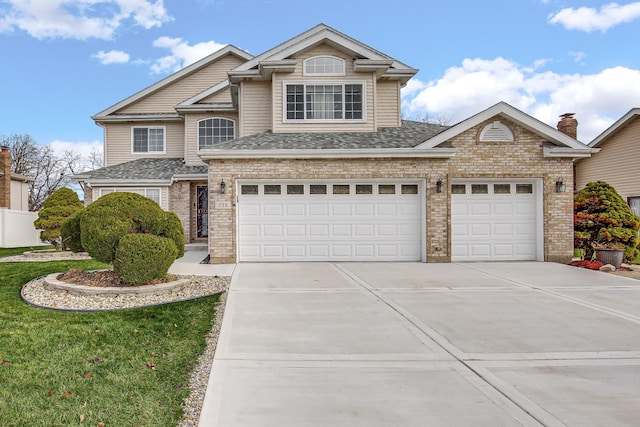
152	193
634	204
149	139
324	66
215	130
324	101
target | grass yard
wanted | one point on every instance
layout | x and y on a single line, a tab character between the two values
121	368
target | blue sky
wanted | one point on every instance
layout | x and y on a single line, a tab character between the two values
65	60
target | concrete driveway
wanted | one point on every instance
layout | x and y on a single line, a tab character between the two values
413	344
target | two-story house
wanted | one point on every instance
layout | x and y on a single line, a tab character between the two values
301	154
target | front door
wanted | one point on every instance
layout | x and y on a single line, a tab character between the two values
202	211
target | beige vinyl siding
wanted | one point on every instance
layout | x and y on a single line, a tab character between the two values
19	196
191	133
617	163
164	193
224	96
164	100
388	103
118	143
255	107
297	75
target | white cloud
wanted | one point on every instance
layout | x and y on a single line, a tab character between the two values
112	57
598	99
589	19
182	54
79	19
577	56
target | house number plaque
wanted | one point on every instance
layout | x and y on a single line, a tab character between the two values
222	205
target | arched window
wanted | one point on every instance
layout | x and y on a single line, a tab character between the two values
214	131
324	66
496	131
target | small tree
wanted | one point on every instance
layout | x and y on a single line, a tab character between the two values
60	205
602	217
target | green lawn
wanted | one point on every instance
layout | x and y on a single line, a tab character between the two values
19	251
123	368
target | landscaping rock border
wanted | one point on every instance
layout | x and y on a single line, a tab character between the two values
53	283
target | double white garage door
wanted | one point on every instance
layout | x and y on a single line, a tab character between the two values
383	221
330	221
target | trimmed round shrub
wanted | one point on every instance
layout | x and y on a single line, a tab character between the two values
118	214
59	206
70	232
140	258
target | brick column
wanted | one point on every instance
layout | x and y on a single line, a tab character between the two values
5	181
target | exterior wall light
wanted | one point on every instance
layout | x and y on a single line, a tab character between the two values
560	187
439	186
223	187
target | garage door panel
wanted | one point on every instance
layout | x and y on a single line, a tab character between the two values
341	230
479	230
500	208
500	226
272	209
316	209
323	227
319	230
341	209
295	230
295	210
364	230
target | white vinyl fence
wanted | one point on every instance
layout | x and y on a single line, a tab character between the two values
17	229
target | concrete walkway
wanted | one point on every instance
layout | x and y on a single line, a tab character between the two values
413	344
190	264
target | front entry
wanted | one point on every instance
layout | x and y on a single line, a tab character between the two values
202	211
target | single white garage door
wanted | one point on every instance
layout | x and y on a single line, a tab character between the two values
330	221
494	221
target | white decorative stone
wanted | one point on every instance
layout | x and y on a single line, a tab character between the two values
608	268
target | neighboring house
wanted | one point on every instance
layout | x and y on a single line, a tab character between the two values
16	222
300	154
618	159
14	188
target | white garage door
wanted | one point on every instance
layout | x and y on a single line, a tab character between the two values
330	221
494	221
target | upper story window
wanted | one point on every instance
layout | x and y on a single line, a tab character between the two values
324	66
324	101
149	139
214	131
496	131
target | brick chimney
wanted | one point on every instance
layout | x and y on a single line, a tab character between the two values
5	180
568	125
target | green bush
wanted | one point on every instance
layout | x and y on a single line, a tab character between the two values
117	214
59	206
140	258
70	232
602	218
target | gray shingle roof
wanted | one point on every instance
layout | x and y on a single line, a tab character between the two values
409	135
163	169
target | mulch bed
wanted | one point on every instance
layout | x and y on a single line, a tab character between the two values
594	265
104	278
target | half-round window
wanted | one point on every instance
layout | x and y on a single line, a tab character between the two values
324	66
496	131
214	131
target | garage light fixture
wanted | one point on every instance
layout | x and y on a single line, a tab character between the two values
223	187
439	186
560	187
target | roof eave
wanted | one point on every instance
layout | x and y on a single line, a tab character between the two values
566	152
139	118
122	182
333	153
602	138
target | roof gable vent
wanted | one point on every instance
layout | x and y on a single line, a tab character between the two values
496	131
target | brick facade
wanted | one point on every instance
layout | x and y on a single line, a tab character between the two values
520	159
